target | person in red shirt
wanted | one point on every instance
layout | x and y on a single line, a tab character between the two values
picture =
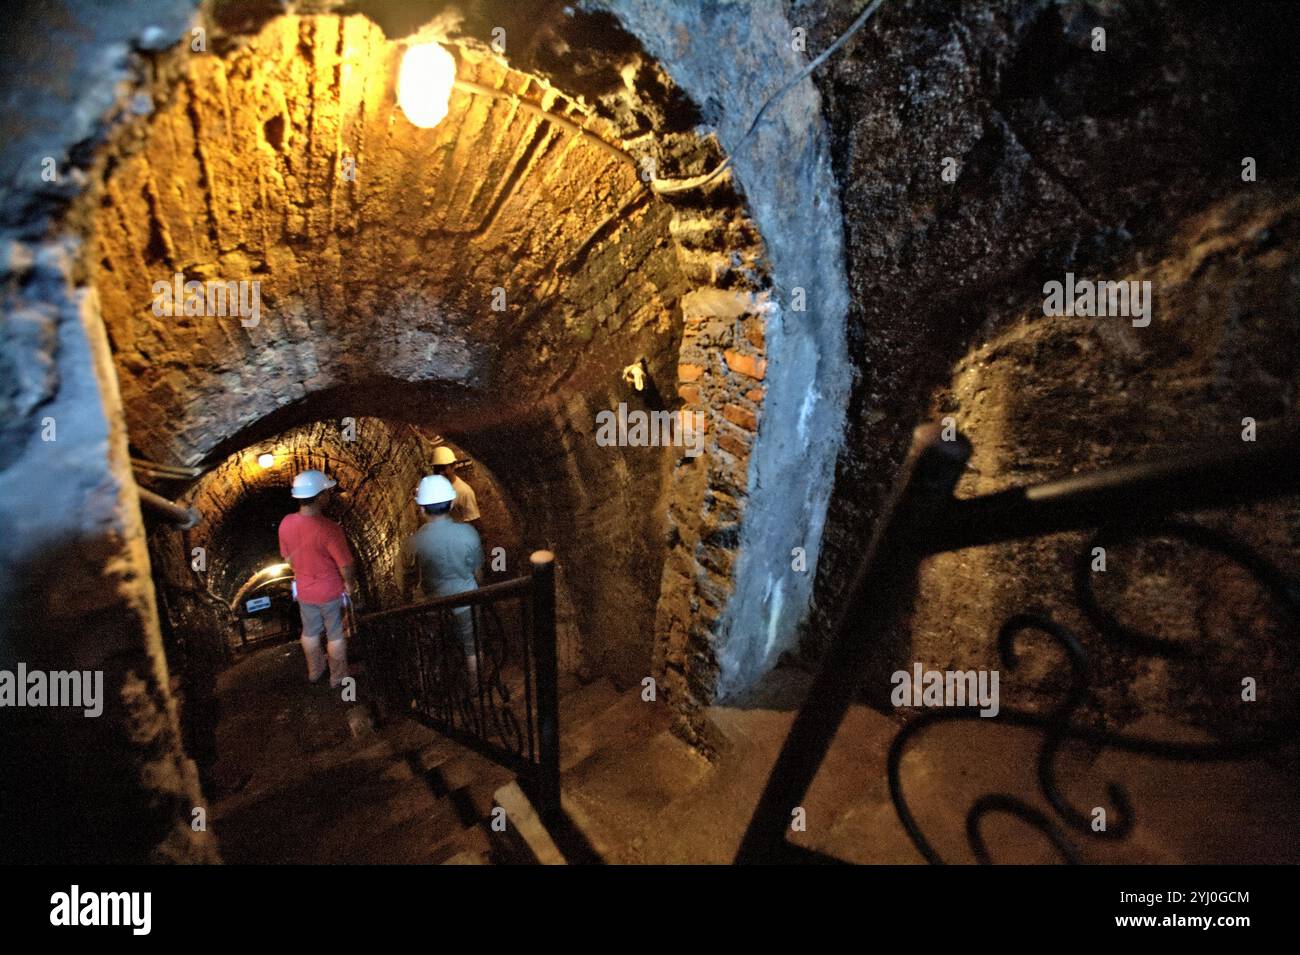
318	552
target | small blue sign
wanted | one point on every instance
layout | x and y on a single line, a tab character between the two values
258	603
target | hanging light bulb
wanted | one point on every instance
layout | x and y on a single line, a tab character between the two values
424	84
266	459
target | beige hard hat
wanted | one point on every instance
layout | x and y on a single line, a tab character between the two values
434	489
443	455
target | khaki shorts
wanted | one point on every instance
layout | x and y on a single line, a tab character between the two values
323	618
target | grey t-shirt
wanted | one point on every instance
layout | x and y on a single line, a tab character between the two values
447	554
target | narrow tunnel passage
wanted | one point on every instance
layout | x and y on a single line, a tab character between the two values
496	294
493	283
675	292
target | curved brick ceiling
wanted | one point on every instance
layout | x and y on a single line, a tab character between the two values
240	502
376	463
239	174
377	293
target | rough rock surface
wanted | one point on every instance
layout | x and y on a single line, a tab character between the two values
74	579
267	149
1122	164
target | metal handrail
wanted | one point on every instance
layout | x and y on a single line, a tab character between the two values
922	518
415	656
1192	482
483	595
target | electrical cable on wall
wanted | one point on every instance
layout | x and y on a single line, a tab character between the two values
668	186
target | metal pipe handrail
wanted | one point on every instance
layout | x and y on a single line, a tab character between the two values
922	518
186	517
469	598
165	470
1116	494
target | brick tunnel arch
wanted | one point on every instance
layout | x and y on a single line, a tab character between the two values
241	501
503	268
728	266
1062	167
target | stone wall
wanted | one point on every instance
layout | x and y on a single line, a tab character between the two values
763	348
234	171
1226	346
74	580
1119	164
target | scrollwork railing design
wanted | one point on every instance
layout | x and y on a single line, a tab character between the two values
1119	505
501	699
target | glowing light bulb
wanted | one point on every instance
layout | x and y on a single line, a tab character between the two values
266	460
424	84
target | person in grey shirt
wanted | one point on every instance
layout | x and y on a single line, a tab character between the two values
446	555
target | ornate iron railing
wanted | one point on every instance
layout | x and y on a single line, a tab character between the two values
922	519
505	704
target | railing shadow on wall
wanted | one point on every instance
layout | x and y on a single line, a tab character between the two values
922	519
505	707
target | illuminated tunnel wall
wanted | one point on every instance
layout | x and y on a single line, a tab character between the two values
380	304
492	278
224	161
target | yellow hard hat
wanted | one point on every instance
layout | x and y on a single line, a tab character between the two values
443	455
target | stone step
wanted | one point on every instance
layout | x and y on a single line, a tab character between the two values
1191	813
707	812
627	719
599	841
412	841
474	840
395	805
329	817
949	766
431	755
445	789
469	857
407	734
567	683
448	819
475	799
584	703
626	786
461	770
525	838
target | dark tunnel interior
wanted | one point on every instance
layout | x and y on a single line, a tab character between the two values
722	335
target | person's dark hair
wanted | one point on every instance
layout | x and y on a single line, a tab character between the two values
433	510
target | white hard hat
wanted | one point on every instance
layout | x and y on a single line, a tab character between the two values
434	489
443	455
310	483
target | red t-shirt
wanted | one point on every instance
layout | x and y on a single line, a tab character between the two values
317	548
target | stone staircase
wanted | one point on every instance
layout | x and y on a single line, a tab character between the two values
303	777
306	778
648	798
